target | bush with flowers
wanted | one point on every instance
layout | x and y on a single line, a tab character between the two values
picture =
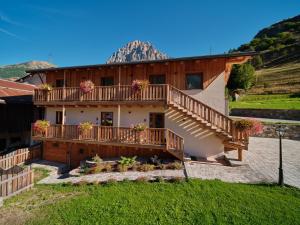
86	86
251	126
85	126
46	87
40	126
139	85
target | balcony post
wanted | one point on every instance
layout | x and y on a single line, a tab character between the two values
64	86
63	120
119	106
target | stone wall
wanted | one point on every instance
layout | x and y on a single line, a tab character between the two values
292	131
267	113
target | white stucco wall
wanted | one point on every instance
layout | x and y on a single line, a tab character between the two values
213	95
129	115
198	142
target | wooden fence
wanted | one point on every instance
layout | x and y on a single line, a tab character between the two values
14	180
19	156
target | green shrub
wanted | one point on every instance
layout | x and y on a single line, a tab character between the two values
146	167
175	165
127	161
97	159
107	167
122	168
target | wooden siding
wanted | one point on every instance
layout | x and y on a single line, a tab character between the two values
175	72
73	153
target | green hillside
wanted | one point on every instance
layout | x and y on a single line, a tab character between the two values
277	75
18	70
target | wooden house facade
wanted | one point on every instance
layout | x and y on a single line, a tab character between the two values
183	108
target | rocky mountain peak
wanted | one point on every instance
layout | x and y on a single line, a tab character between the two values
136	51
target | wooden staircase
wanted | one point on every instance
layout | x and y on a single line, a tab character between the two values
209	118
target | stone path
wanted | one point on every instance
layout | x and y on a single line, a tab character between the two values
241	174
263	157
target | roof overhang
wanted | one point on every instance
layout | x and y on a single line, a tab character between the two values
234	58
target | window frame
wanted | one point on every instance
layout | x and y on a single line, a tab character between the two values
60	80
161	113
199	74
108	77
102	119
58	119
151	76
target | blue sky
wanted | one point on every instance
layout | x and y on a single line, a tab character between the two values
78	32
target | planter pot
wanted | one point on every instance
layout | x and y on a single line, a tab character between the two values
140	137
90	164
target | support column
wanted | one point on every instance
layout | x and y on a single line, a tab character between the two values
119	106
63	120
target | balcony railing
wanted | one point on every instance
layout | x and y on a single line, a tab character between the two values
157	92
153	137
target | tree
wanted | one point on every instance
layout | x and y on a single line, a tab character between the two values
241	77
257	61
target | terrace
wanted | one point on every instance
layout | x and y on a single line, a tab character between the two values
101	94
153	138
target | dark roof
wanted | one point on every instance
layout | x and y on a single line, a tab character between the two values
229	55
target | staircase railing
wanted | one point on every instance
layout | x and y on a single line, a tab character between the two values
206	113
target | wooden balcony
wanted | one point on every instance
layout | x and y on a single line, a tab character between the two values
155	138
122	94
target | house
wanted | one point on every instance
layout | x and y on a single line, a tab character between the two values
183	108
17	112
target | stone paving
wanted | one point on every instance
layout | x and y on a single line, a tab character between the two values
211	171
263	157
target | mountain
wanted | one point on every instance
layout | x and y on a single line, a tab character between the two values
18	70
136	51
277	44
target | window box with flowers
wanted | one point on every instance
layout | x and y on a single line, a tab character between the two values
138	86
249	126
40	128
140	132
85	129
86	86
46	88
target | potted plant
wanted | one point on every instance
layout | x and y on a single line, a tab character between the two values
139	85
250	126
46	87
140	132
84	129
40	127
86	86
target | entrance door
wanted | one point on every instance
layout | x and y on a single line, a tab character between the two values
157	120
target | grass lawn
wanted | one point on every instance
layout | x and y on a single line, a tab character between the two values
275	101
192	202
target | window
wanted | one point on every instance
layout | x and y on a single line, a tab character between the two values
157	120
157	79
107	81
59	83
194	81
58	117
106	118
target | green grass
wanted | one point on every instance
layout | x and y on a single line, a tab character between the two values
193	202
40	173
275	101
281	79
